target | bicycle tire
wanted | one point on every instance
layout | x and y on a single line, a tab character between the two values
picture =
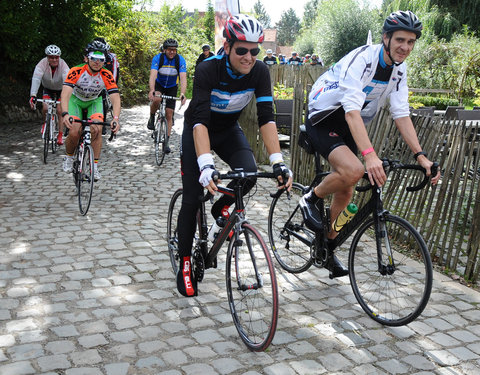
160	141
46	138
54	133
254	309
397	298
85	180
172	233
286	228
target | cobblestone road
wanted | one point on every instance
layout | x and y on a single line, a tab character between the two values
95	295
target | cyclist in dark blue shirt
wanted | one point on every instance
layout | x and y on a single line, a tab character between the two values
168	68
223	86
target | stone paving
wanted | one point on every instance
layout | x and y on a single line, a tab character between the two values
96	295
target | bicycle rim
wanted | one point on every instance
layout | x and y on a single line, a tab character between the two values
172	233
46	138
399	295
160	141
85	180
288	236
253	304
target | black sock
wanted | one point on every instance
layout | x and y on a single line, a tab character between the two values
312	197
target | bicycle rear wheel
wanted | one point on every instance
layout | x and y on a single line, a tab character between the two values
289	238
85	180
160	138
396	291
172	232
46	138
252	289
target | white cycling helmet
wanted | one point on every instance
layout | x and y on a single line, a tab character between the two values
52	50
244	28
269	51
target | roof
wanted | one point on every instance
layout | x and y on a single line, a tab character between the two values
270	35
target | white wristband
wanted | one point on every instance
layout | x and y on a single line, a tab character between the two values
276	158
205	159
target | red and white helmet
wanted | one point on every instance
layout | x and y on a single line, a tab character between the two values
244	28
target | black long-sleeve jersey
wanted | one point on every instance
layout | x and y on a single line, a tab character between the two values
219	95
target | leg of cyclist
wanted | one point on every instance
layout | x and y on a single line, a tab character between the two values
60	123
75	110
169	110
95	112
154	105
192	189
335	143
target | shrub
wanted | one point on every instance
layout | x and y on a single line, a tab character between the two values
431	101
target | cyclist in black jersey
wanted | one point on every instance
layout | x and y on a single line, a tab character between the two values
223	86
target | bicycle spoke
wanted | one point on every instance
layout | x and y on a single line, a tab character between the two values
85	180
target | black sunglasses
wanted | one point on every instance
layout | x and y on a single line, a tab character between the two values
240	51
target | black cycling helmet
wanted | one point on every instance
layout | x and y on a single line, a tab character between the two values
206	47
102	42
403	20
95	46
170	43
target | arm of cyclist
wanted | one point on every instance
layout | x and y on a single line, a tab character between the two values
373	164
151	83
204	157
66	94
183	87
270	139
407	130
115	124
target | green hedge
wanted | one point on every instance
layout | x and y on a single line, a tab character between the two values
431	101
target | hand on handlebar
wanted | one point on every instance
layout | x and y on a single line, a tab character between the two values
115	126
183	100
32	102
283	175
374	167
207	178
427	164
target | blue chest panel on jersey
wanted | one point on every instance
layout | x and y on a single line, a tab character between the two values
226	102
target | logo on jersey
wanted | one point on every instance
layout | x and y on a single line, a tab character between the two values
332	134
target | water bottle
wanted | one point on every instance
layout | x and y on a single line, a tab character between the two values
215	228
344	217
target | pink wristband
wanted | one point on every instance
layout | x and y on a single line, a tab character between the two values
367	151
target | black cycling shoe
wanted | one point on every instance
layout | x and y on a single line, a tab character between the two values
167	149
150	124
336	268
310	213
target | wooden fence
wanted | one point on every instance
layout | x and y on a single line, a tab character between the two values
448	215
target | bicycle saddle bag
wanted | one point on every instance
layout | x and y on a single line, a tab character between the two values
304	141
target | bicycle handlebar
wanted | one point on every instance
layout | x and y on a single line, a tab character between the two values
233	175
91	122
395	164
167	97
47	101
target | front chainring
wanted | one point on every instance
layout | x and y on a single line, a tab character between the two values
198	265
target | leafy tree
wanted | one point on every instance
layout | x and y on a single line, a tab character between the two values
209	23
310	13
261	14
288	27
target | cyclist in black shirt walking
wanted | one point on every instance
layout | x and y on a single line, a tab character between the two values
223	87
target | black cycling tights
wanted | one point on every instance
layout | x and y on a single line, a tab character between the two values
232	147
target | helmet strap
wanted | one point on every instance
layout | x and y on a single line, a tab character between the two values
387	50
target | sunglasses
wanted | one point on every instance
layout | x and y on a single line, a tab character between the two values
240	51
95	59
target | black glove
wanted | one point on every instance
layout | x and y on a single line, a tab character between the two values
281	170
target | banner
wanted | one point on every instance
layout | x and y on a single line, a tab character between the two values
223	10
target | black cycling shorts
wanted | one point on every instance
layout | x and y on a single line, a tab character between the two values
171	91
50	94
331	132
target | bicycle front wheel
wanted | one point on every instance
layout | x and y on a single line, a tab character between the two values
54	133
252	289
85	180
172	232
160	138
393	290
46	138
289	238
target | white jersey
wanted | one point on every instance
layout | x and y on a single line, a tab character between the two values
349	84
43	75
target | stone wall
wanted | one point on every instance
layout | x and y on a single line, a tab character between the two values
11	113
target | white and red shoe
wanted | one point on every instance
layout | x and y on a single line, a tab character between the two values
186	283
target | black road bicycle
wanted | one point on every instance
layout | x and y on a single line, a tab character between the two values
250	275
389	264
50	131
160	134
83	164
